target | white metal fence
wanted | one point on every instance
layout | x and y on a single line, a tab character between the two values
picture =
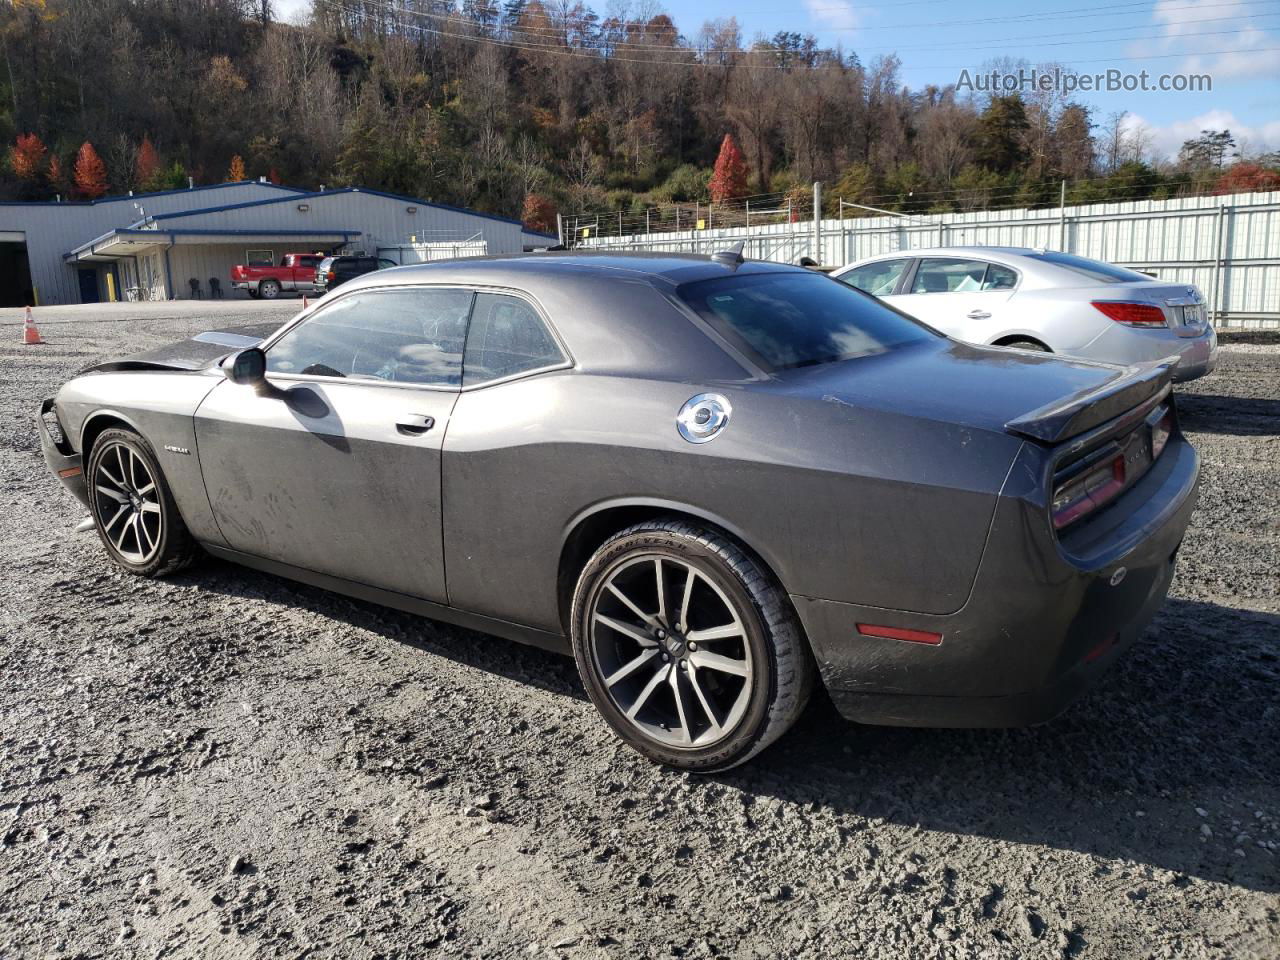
1228	246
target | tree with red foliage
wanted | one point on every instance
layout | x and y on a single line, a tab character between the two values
1247	178
273	176
539	213
147	164
90	172
730	176
26	157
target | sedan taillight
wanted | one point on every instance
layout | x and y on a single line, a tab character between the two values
1132	314
331	275
1083	495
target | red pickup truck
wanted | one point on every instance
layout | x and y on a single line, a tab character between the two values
297	272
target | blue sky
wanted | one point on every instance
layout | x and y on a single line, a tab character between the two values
1236	42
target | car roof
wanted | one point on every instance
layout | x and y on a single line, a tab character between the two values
998	254
671	268
615	311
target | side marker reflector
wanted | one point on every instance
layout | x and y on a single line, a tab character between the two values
69	472
899	633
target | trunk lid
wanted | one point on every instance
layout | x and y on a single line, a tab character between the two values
1032	395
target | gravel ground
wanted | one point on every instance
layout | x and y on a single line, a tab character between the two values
228	764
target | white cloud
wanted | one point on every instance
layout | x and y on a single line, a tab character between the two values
290	11
1165	141
1249	53
833	14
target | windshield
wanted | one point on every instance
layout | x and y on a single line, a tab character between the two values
1093	269
799	319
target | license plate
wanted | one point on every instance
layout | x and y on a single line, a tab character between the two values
1192	316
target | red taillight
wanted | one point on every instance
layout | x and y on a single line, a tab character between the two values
899	633
1083	495
1132	314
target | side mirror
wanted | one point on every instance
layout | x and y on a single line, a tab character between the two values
248	367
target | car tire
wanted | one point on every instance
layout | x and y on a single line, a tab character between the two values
701	710
125	482
269	289
253	294
1027	345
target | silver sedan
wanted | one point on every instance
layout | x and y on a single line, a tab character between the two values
1045	300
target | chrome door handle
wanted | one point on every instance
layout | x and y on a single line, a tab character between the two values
414	425
978	314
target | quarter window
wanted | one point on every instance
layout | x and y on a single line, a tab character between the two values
506	337
879	278
400	336
999	278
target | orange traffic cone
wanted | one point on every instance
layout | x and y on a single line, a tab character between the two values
304	301
29	332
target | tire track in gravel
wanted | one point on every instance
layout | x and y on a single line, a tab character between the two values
225	764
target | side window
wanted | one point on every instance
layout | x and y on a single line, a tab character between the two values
383	263
941	275
506	337
402	336
999	278
878	279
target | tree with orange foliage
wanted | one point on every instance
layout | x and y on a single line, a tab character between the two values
26	157
539	213
235	173
90	172
729	178
1247	178
147	164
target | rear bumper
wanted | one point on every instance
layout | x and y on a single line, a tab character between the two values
1040	627
1197	356
64	463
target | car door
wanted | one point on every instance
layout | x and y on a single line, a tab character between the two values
338	469
503	436
962	297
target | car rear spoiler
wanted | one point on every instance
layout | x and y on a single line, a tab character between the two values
1083	411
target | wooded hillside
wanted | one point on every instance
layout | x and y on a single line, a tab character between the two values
529	107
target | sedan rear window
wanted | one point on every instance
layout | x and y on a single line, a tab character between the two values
1093	269
799	319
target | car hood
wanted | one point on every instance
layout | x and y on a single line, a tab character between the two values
1035	395
200	351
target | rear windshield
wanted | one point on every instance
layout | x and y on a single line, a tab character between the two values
799	319
1093	269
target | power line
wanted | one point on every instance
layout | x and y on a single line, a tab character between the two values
591	53
553	30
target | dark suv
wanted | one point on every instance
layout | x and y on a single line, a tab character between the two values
334	271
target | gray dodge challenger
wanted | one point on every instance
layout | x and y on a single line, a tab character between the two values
713	481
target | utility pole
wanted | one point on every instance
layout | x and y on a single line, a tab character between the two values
1062	218
560	228
817	221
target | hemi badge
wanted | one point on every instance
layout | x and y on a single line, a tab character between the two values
182	450
69	472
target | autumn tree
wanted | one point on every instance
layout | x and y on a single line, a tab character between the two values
730	176
235	173
1247	178
539	213
26	156
147	165
90	172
